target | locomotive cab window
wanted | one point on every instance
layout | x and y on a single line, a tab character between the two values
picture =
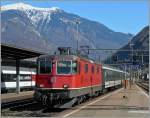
74	67
45	66
64	67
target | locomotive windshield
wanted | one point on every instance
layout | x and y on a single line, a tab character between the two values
45	66
64	67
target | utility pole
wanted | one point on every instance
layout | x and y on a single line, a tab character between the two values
131	67
125	82
142	58
125	75
77	23
99	59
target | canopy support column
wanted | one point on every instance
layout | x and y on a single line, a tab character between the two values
18	76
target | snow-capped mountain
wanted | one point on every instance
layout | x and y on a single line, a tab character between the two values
46	28
27	7
33	13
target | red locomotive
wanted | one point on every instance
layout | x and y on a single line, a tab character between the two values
66	77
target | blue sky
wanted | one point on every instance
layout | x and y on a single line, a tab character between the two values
128	16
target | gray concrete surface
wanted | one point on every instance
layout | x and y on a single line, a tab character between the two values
8	97
136	104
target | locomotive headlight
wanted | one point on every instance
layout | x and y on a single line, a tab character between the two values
65	86
41	85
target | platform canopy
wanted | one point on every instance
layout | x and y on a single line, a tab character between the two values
13	52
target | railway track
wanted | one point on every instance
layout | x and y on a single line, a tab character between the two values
30	108
17	103
144	86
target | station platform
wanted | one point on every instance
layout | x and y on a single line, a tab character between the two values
135	103
10	97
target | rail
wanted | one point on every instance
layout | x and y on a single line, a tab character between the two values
144	85
17	103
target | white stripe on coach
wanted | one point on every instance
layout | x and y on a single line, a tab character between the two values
13	84
14	72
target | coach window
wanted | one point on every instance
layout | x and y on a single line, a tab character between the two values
93	69
105	73
2	77
86	68
9	77
111	74
74	66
